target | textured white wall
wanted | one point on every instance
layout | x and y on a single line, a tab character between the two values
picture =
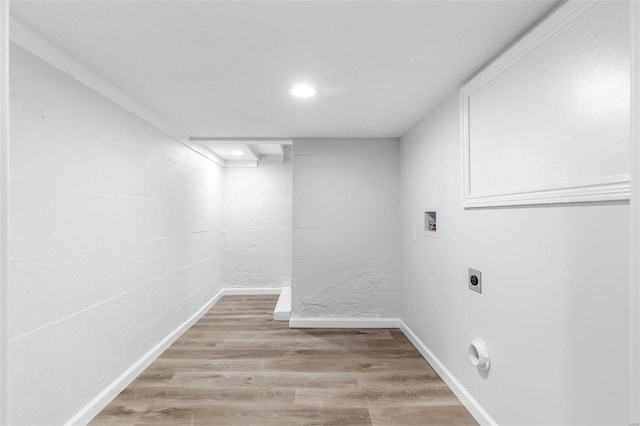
345	225
258	225
554	310
116	239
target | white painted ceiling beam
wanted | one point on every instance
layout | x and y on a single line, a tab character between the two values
234	140
252	152
241	163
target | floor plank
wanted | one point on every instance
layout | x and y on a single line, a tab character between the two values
256	416
236	366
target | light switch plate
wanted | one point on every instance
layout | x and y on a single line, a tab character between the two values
475	280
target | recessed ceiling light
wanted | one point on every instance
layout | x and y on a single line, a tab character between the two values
236	152
303	91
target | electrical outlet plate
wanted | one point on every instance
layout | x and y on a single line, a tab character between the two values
477	287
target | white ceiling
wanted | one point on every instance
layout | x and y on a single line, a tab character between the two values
224	68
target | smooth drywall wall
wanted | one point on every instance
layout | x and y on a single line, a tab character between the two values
258	225
116	240
554	305
345	225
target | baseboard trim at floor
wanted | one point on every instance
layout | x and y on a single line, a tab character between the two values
96	405
344	322
250	291
282	311
89	411
456	387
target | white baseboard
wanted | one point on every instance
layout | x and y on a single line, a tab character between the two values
456	387
89	411
250	291
295	322
282	312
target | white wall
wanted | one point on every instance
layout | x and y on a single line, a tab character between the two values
556	107
258	225
4	196
554	310
116	239
555	305
345	225
635	213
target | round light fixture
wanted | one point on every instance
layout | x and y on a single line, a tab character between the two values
237	152
303	91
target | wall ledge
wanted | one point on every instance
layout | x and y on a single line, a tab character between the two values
470	403
250	291
282	312
297	322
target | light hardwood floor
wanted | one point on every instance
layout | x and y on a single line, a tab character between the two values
236	366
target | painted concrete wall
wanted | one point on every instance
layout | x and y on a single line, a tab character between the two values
258	225
116	239
554	310
345	225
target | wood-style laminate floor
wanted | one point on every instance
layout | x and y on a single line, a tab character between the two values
236	366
